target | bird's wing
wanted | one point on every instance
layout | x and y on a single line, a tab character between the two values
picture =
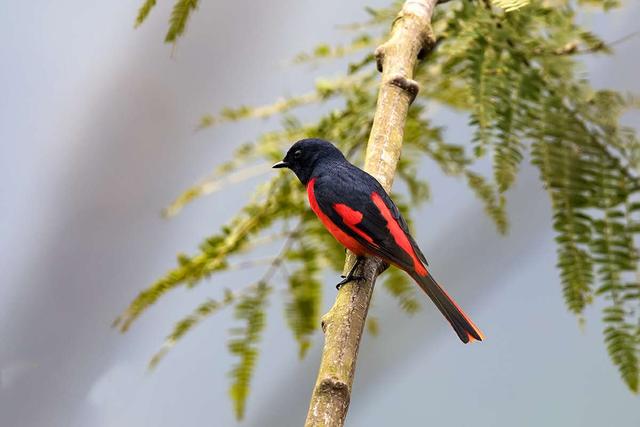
395	212
367	213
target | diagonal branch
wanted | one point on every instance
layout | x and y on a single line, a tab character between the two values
411	37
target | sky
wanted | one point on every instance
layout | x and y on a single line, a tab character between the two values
97	135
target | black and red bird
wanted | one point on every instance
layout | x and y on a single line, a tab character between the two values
359	213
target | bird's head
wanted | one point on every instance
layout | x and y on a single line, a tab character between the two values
306	155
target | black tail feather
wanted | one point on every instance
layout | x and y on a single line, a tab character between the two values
462	324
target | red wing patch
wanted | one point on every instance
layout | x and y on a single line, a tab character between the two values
352	218
398	234
347	241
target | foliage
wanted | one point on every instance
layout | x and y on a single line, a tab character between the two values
243	343
510	5
144	11
179	17
177	22
181	328
303	306
517	78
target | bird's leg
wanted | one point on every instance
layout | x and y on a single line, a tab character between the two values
350	277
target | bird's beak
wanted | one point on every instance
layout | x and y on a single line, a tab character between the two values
281	164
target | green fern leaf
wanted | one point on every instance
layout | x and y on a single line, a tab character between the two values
623	344
302	311
215	250
560	170
143	12
494	203
179	16
373	326
185	325
510	5
508	149
243	344
510	93
482	60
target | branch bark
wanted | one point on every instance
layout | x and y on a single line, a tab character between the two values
411	38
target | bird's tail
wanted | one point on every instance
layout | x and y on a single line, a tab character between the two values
464	327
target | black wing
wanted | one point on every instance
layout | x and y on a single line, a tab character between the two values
354	188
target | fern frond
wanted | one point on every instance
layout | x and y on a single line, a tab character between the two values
179	16
508	149
325	89
482	60
494	203
611	244
325	51
204	310
510	5
373	326
511	94
243	344
214	251
604	4
143	12
213	183
561	171
302	311
623	344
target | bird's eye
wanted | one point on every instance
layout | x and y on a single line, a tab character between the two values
297	154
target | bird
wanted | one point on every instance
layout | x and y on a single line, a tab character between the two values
358	212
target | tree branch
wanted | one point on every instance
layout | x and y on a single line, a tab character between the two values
411	38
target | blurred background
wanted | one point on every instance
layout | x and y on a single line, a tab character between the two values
97	134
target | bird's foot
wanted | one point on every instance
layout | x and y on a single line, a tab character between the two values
350	277
347	280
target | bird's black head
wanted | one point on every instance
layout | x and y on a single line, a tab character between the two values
306	155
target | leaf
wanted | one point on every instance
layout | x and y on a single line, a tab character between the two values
144	10
214	251
373	326
510	5
179	17
623	344
482	61
243	344
494	204
204	310
302	310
